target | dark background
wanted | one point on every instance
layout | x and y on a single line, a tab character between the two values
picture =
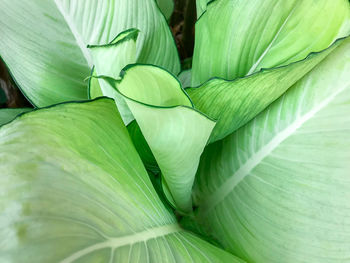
182	27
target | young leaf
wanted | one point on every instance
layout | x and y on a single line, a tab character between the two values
45	49
109	60
234	103
175	132
235	38
276	190
83	195
8	114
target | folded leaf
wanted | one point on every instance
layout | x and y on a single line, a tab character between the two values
142	147
277	190
175	132
94	88
234	103
109	60
235	38
83	195
8	114
45	49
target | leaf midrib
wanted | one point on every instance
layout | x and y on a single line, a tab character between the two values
143	236
257	63
78	38
231	182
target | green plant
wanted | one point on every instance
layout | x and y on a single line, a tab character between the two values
248	163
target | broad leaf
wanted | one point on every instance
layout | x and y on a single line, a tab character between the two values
83	195
175	132
8	114
167	7
277	190
235	38
234	103
45	49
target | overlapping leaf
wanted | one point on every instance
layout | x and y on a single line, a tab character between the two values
235	38
8	114
175	132
83	195
185	78
277	190
234	103
201	6
167	7
44	42
109	60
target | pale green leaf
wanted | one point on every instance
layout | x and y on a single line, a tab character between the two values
83	195
201	6
44	42
234	103
185	78
94	88
277	190
142	147
175	132
109	60
8	114
235	38
167	7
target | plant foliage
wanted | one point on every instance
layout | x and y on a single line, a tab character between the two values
242	158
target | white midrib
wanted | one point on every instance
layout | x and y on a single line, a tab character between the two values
125	240
228	185
75	33
256	64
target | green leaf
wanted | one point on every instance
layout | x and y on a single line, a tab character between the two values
167	7
201	6
94	88
109	60
234	103
45	49
235	38
175	132
8	114
142	147
277	190
185	78
83	195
